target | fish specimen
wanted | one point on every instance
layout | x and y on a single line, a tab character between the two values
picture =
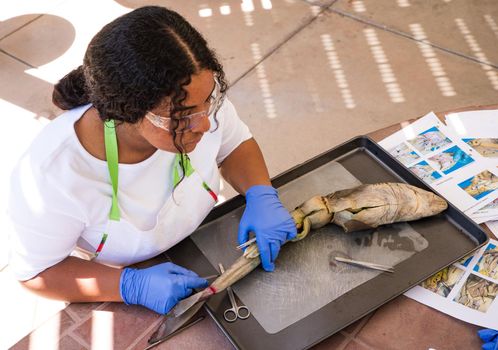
359	208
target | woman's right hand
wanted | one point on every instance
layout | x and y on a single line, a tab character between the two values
159	287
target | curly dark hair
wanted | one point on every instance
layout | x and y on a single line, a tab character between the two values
136	61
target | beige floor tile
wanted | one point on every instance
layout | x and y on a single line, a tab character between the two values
9	25
117	325
204	335
232	27
405	324
23	91
322	3
337	341
358	345
15	14
355	327
36	44
65	343
339	78
68	342
81	311
466	26
55	43
50	43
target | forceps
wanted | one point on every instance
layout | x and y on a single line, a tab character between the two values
249	242
366	264
236	311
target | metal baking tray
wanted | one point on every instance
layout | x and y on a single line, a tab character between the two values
450	235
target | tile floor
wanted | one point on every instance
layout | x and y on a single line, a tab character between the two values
305	76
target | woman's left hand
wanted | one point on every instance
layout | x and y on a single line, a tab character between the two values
269	220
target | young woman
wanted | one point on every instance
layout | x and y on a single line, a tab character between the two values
133	167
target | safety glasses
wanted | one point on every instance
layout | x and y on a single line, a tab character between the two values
189	122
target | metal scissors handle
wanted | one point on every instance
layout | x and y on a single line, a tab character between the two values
236	311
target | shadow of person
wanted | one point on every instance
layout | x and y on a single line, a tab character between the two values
26	48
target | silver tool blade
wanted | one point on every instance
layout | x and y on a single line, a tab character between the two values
172	323
249	242
170	335
185	304
366	264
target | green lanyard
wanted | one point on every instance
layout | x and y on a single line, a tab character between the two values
181	158
111	151
189	169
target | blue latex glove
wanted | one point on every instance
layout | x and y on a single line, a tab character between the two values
269	220
490	338
159	287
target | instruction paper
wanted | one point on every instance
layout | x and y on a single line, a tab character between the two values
458	160
448	164
479	130
486	213
466	290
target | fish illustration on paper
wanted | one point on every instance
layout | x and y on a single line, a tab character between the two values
486	147
430	140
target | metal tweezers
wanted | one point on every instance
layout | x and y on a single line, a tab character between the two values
249	242
369	265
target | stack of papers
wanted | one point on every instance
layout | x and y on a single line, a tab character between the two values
458	159
479	130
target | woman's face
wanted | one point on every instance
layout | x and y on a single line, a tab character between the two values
198	97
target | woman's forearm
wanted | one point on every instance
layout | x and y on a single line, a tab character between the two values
77	280
245	167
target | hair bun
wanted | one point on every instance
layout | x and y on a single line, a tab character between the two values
70	91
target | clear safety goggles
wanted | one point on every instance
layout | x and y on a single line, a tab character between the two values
189	122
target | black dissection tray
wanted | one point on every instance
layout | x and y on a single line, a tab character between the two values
442	240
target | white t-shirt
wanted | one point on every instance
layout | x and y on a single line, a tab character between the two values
60	193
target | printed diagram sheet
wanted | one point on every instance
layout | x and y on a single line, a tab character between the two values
466	290
452	162
460	161
479	130
486	213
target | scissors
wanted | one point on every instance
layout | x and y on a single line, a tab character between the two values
236	311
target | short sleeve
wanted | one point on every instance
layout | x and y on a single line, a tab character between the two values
234	131
45	224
